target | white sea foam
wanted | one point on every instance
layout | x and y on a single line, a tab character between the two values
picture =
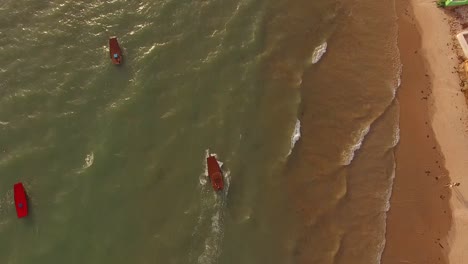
66	114
381	246
295	136
211	249
89	160
348	154
212	243
204	176
3	123
227	182
202	179
142	7
318	53
169	113
396	137
397	81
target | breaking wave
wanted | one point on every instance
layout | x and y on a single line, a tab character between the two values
89	160
318	53
212	213
347	155
295	136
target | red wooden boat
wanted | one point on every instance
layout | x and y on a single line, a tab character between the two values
215	173
21	202
115	51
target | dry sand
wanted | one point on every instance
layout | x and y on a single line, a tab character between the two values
421	229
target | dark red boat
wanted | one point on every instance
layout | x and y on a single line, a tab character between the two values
115	51
215	173
21	202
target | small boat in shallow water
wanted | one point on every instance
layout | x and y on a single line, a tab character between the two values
214	173
21	202
115	51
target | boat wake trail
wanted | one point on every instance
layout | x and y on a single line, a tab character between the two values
209	230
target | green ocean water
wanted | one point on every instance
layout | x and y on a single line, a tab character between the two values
113	157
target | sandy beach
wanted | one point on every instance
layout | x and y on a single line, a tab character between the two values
426	219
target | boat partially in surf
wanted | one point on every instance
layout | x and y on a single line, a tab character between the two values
214	173
21	201
115	51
